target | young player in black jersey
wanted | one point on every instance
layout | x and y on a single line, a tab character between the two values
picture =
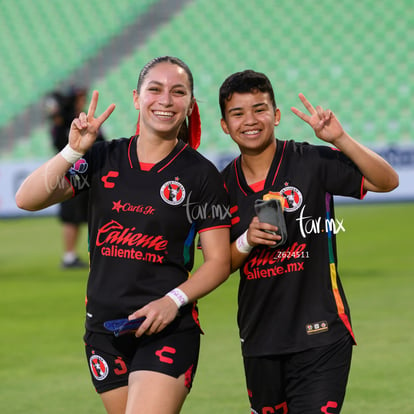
294	321
149	195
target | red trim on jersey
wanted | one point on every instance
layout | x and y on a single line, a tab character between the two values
346	322
146	166
129	151
236	219
73	189
363	192
224	226
168	163
194	313
280	162
237	175
188	377
259	186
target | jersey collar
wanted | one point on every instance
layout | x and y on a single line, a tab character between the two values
272	173
158	167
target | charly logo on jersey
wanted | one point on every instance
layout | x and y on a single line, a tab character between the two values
293	198
172	192
99	367
108	179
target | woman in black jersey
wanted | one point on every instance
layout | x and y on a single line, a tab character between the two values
149	195
294	321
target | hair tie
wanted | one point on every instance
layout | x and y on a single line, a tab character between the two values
194	127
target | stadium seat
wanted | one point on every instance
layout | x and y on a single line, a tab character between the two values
351	56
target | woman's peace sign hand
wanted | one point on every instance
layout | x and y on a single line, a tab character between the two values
323	122
84	129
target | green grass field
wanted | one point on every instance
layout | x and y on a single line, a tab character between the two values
42	365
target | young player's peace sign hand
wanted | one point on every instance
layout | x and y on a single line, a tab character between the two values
84	129
324	122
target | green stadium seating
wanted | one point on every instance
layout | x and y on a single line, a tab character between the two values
44	41
354	57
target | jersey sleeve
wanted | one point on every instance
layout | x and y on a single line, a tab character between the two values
340	176
212	210
80	173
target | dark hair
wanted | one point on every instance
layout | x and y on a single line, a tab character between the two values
183	133
169	59
247	81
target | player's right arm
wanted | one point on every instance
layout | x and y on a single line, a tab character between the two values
255	235
47	185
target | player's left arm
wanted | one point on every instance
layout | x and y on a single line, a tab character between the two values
378	173
258	233
213	272
215	268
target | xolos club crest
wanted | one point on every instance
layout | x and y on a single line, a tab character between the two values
99	367
172	192
293	198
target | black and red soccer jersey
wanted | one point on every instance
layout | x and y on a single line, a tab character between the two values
291	298
142	224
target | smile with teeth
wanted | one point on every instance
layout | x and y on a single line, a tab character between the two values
164	114
253	132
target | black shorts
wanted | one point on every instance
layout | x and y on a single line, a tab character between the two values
111	358
308	382
75	210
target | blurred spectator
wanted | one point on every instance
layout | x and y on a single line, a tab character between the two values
61	108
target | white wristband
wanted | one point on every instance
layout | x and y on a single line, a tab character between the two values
178	296
70	155
242	244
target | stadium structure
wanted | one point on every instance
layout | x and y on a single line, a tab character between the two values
353	57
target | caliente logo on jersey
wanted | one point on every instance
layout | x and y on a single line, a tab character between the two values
172	192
